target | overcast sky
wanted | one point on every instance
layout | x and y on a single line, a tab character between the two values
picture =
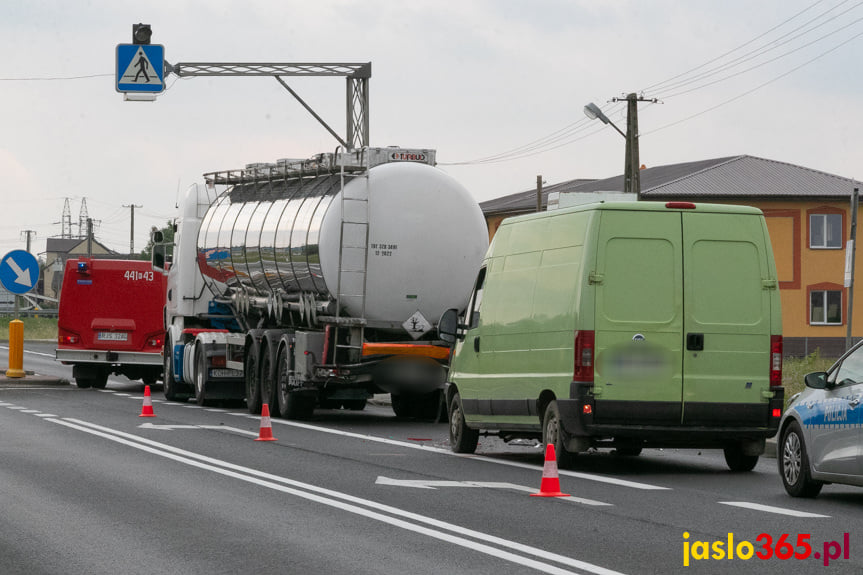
473	79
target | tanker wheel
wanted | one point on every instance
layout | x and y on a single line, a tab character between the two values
354	404
252	372
281	381
169	386
431	407
200	377
268	383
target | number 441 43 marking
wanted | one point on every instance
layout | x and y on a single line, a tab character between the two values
133	275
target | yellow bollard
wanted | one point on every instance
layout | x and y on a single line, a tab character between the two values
16	349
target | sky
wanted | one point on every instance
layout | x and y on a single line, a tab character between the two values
497	87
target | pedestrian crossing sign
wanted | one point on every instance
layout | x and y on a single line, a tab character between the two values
140	68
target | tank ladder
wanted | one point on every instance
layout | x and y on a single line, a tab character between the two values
353	266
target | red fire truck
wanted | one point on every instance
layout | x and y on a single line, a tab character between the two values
110	320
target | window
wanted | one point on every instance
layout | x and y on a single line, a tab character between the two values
825	307
825	231
476	301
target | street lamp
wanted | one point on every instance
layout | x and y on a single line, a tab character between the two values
593	112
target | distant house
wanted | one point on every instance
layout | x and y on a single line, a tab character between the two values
808	218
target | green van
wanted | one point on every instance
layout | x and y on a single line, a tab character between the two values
623	325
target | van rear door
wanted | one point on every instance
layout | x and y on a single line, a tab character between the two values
727	298
639	318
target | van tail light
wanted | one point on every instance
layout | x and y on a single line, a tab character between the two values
775	361
584	352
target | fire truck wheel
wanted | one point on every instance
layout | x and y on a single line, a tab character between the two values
100	380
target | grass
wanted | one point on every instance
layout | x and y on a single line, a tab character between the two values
795	369
35	328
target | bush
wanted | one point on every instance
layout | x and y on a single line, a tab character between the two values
795	369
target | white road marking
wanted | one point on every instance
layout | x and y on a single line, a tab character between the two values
170	427
436	484
413	445
406	520
770	509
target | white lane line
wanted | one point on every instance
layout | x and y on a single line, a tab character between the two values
124	395
29	411
770	509
16	407
414	445
587	476
46	415
372	510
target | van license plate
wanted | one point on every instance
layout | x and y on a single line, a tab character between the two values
113	336
226	373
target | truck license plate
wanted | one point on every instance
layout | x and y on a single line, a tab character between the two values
113	336
226	373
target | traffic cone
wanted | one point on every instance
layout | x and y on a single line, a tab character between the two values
550	486
147	409
266	432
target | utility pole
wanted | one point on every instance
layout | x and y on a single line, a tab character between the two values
850	251
132	232
89	237
539	193
29	234
631	170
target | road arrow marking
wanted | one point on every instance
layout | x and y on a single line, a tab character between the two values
435	484
23	276
216	427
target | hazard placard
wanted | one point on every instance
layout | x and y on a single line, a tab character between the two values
140	68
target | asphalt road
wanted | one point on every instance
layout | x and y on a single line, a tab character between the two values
89	487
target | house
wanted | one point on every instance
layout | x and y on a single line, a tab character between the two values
808	216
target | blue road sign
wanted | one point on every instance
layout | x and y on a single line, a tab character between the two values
19	271
140	68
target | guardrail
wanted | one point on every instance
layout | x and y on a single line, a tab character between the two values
29	313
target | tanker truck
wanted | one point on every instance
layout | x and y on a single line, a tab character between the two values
317	283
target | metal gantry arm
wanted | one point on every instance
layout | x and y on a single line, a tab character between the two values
357	98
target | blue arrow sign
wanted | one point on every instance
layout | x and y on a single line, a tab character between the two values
140	68
19	271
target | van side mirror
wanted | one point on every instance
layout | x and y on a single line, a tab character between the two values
448	326
816	380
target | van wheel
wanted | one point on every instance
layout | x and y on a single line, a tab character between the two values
553	434
794	464
462	439
84	382
739	461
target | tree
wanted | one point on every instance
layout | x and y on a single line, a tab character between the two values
167	237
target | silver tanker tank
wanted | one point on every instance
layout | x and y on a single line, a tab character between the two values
285	239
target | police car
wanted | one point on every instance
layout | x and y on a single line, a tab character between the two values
821	433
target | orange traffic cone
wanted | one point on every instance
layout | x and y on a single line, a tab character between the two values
550	486
147	409
266	432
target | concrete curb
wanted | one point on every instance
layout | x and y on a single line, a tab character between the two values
31	380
